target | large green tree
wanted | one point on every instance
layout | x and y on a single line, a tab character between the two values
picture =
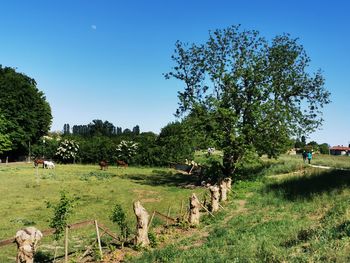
24	107
252	93
5	142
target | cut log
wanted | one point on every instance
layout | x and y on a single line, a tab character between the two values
214	191
194	215
27	240
142	218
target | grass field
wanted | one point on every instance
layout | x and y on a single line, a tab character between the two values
284	216
24	197
281	210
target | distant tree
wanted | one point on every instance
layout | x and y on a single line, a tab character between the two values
127	131
136	130
119	130
66	129
24	107
98	128
83	130
5	141
175	143
257	94
96	148
324	148
148	152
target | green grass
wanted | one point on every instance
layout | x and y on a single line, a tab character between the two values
281	211
332	161
291	217
24	198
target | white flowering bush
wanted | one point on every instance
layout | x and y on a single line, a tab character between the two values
126	150
67	151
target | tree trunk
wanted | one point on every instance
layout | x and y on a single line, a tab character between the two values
214	190
27	240
142	218
228	164
194	215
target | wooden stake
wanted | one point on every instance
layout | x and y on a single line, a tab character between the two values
206	209
66	246
150	221
182	206
37	174
98	239
168	215
221	206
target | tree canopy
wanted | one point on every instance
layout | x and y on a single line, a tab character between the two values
248	92
24	107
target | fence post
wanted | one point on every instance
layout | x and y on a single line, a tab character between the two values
27	240
194	214
214	190
66	245
142	225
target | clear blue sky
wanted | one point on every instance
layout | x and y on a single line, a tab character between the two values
104	59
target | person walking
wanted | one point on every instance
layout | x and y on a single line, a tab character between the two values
304	156
309	156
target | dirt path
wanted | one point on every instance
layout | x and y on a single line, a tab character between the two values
328	167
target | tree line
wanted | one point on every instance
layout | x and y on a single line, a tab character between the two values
98	127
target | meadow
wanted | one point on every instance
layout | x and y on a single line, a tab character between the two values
280	210
25	196
290	213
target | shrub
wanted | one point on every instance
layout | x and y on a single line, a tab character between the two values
118	216
126	150
67	151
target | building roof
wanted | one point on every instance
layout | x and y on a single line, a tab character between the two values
340	148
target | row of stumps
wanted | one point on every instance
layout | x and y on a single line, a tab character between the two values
218	194
28	238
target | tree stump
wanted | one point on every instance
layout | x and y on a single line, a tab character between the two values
27	240
194	215
228	181
142	218
214	191
223	190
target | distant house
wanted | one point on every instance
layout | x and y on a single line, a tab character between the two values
339	150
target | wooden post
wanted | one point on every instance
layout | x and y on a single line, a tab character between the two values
168	215
214	190
37	174
150	221
182	207
98	239
66	245
27	240
223	190
194	214
142	217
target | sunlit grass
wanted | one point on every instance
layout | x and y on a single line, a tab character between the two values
24	196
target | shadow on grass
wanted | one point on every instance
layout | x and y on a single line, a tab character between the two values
158	177
309	186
